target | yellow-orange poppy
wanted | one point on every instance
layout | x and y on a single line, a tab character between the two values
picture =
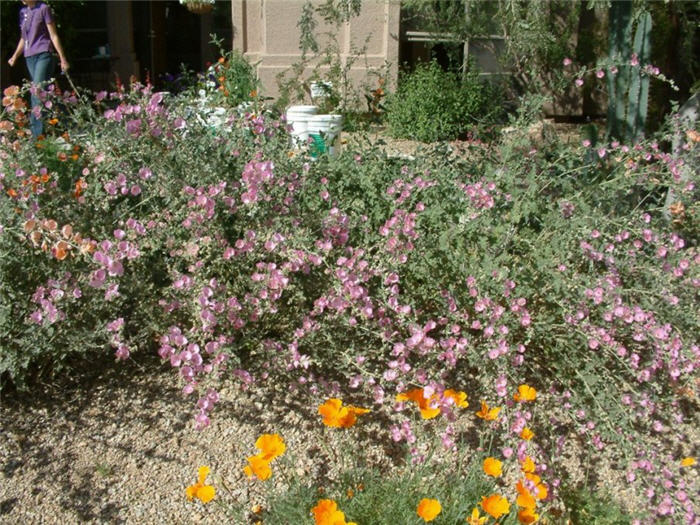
525	393
488	414
493	467
338	416
495	505
428	509
258	467
204	493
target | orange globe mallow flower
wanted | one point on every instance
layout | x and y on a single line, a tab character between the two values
493	467
428	509
326	512
495	505
338	416
488	414
204	493
525	393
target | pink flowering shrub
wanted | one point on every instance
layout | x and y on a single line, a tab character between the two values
231	257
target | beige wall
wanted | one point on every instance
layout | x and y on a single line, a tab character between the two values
266	31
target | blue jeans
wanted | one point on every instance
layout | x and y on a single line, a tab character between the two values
40	70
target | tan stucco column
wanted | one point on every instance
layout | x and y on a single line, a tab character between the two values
121	40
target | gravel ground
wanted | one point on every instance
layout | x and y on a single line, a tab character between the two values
121	449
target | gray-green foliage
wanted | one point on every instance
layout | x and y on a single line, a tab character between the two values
431	104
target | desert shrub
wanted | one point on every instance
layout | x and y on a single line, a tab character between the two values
169	224
431	104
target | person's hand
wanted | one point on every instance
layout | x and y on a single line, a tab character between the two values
12	61
64	65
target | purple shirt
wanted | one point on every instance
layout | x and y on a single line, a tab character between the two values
32	25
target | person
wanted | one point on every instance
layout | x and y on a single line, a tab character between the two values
38	38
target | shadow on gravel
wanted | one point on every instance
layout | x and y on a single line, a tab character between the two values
103	396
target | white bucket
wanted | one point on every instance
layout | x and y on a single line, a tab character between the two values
298	118
324	133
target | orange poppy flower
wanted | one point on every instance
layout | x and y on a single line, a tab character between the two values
527	465
489	414
204	493
525	393
11	91
270	446
688	462
338	416
528	515
428	509
476	518
527	434
326	513
460	398
495	505
426	406
258	467
541	488
525	498
493	467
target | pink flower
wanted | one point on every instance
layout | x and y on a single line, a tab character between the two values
567	62
600	73
578	82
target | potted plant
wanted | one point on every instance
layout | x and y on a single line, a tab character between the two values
199	7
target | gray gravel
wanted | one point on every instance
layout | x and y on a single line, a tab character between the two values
122	449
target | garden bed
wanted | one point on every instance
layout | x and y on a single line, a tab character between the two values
513	322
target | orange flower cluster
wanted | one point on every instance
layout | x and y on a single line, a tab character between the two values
204	493
60	242
338	416
326	512
527	499
270	446
428	509
429	406
13	104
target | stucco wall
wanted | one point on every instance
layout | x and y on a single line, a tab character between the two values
266	32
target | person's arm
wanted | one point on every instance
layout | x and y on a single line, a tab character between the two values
17	53
53	34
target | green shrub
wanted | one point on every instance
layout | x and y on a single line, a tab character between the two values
431	104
